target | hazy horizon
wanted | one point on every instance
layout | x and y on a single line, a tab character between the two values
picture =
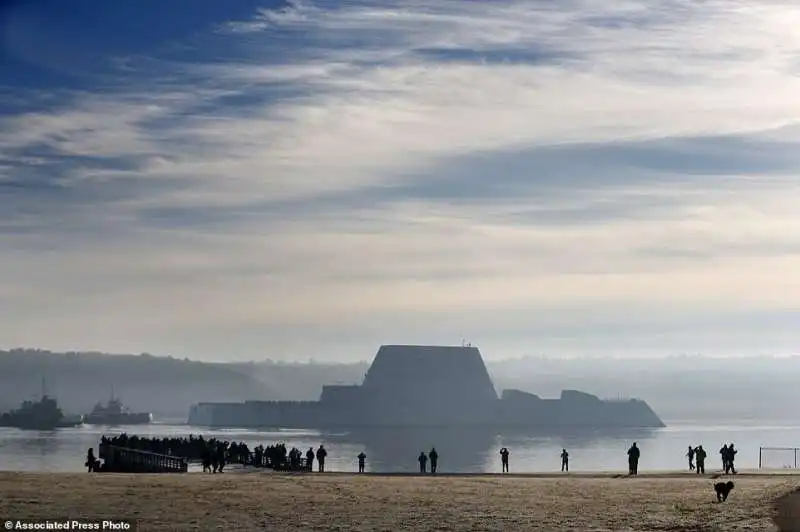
680	389
312	179
368	358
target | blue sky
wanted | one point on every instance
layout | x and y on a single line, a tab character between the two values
239	180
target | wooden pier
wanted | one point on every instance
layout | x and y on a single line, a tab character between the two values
124	460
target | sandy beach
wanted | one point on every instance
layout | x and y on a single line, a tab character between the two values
343	502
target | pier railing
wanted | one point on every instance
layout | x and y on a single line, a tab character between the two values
124	460
264	461
778	457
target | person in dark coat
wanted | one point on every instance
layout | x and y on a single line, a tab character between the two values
423	462
221	457
700	457
321	454
690	456
504	459
564	460
633	459
362	458
91	462
310	459
724	455
434	456
206	459
731	457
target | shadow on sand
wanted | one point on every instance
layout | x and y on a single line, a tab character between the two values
787	512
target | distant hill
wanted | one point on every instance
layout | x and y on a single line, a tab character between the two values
163	385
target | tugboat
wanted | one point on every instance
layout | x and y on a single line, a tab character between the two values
115	413
43	414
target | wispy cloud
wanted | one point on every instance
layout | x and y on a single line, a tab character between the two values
414	163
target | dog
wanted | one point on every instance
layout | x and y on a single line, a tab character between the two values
722	490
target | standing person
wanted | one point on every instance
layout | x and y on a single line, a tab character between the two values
294	458
700	456
690	455
434	456
504	459
564	461
633	459
361	460
206	454
91	461
310	459
723	453
423	462
321	454
221	457
731	457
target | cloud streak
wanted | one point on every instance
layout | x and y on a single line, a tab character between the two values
427	164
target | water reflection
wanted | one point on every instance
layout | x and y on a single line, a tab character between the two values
31	450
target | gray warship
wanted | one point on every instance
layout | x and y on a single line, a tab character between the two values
430	386
43	414
115	413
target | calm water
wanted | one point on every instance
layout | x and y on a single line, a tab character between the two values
459	451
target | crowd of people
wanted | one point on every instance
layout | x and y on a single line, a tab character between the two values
699	455
193	448
214	454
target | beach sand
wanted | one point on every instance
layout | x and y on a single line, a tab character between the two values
343	502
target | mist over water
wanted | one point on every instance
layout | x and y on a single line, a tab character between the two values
472	450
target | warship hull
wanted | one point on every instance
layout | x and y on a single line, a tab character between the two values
430	386
33	425
266	415
136	418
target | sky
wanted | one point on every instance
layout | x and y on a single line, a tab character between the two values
295	180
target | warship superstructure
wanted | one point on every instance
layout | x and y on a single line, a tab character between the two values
436	386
